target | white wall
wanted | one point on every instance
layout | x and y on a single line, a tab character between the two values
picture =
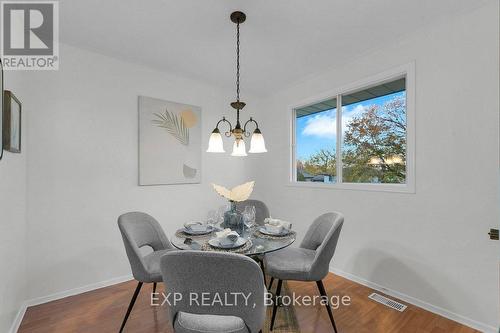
432	245
82	172
12	223
83	166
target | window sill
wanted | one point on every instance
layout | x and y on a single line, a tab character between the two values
396	188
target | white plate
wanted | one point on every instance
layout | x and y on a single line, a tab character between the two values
201	232
283	232
239	243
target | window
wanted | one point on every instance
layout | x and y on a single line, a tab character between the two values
357	139
316	142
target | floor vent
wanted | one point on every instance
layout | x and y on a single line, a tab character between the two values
388	302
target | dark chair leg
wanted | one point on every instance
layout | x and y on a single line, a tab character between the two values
322	291
263	270
154	287
270	284
131	305
275	305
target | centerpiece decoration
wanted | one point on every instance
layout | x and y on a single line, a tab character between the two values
233	219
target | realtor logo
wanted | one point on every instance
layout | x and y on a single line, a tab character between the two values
30	35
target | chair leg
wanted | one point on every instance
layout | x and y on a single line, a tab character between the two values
275	305
270	284
263	270
322	291
154	287
131	305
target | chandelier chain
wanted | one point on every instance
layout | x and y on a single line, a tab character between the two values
238	62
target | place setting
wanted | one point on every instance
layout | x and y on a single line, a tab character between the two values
227	240
275	229
195	229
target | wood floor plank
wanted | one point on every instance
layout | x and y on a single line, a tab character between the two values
102	310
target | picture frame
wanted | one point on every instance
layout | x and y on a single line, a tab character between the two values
11	122
1	109
169	142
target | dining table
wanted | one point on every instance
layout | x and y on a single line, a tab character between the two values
257	243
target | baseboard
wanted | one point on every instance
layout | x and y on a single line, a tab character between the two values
63	294
421	304
79	290
19	318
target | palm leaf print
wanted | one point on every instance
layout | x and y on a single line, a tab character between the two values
174	125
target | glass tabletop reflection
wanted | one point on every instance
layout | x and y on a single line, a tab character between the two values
260	244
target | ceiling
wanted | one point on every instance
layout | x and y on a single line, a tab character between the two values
282	41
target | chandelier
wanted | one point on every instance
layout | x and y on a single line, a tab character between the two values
257	144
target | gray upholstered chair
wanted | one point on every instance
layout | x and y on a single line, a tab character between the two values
310	261
139	230
198	272
261	210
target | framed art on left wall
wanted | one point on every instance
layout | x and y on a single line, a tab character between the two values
1	109
11	123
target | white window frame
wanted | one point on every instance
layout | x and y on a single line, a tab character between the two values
407	71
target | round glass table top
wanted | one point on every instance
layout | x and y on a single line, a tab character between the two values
260	244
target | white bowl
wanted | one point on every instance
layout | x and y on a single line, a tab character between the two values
275	229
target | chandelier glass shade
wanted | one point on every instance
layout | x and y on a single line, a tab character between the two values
215	144
239	148
257	144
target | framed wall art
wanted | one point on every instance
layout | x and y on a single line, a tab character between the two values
1	109
11	123
169	142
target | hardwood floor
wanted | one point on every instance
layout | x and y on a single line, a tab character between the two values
102	311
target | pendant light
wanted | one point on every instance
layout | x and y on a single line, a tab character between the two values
257	144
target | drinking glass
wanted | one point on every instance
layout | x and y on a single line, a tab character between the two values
249	216
220	213
212	219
